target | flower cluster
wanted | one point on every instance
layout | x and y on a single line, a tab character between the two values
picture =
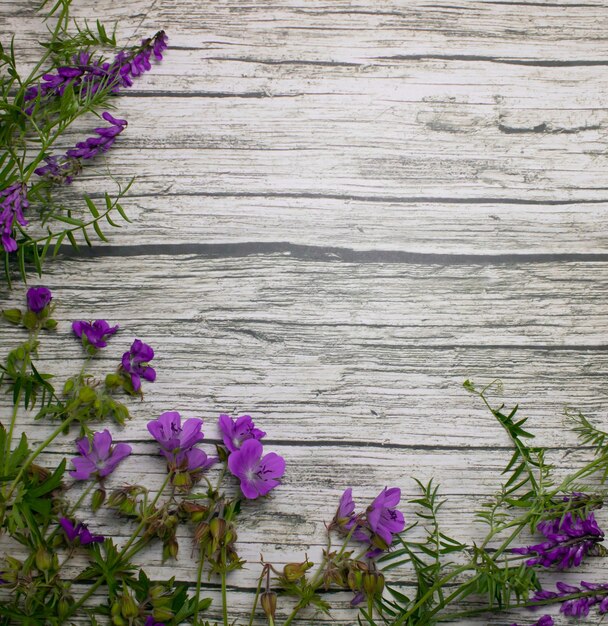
94	334
88	75
62	169
97	457
79	532
592	594
135	364
568	540
13	201
377	525
177	442
258	472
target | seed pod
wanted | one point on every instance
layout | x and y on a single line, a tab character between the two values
295	571
269	603
128	606
99	496
43	559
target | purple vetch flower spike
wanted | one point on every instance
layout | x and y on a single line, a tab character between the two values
80	532
135	363
13	201
568	540
59	170
98	458
94	333
38	298
88	76
258	474
234	432
597	594
91	147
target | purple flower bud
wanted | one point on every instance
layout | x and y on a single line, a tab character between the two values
38	298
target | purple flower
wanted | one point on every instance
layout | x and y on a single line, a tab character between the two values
172	436
135	363
377	526
62	169
177	441
38	298
258	474
569	539
87	76
98	457
13	201
150	621
235	432
595	594
95	333
383	519
80	532
345	518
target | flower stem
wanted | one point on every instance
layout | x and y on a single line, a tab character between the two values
224	595
199	575
143	522
257	596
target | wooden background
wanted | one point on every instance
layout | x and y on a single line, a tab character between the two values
342	211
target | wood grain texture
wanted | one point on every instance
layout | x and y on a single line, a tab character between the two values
342	210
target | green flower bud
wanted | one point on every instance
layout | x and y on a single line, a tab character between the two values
30	320
156	591
50	324
12	315
181	480
68	387
218	528
295	571
87	395
222	453
43	559
64	605
113	380
162	614
99	496
128	606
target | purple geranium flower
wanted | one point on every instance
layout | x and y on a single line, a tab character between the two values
177	441
98	457
38	298
568	540
135	363
150	621
80	532
94	333
172	436
13	201
383	518
258	474
235	432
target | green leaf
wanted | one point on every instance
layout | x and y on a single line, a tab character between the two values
91	205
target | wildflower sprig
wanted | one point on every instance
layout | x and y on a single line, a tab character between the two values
71	80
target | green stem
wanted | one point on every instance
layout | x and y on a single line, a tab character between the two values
143	522
37	451
199	576
257	597
224	595
85	597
